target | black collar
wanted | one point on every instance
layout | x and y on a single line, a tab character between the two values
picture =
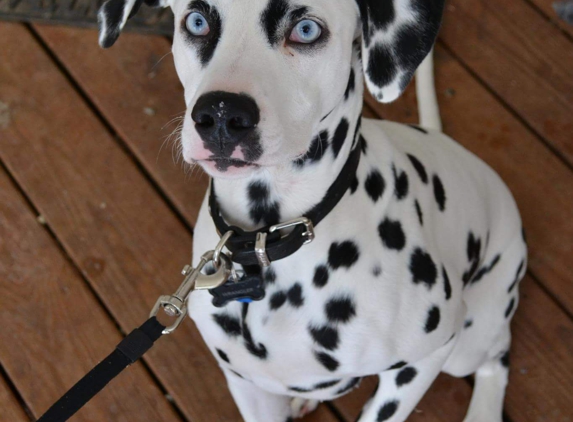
242	243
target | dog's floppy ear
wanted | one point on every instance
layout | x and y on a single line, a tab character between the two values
396	36
113	15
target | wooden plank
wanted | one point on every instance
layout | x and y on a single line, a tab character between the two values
53	329
546	7
11	409
541	375
541	183
522	57
137	92
111	222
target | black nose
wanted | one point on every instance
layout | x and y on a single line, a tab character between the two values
224	118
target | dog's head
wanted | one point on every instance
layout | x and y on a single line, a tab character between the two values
261	75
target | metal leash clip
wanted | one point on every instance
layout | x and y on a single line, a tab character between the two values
175	305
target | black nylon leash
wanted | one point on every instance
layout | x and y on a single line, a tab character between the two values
126	353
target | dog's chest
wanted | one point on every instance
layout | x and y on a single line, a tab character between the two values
322	320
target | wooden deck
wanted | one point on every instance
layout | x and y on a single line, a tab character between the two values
96	220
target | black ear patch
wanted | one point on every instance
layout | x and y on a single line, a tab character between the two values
396	36
113	15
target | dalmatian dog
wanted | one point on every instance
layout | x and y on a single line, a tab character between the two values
416	269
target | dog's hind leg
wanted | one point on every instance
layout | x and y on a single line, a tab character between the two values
490	382
400	390
256	404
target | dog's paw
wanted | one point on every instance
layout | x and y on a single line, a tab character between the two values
301	407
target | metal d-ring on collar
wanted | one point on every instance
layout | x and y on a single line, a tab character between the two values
265	245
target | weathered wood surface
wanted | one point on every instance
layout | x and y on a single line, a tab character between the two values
53	328
11	409
541	184
523	58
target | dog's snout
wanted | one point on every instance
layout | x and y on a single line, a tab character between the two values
225	117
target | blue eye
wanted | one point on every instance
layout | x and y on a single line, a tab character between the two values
197	24
306	31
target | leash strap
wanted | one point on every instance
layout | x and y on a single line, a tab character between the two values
127	352
242	243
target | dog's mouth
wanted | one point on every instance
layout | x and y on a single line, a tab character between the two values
224	163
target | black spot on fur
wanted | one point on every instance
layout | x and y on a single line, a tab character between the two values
351	84
343	254
339	136
374	185
439	192
473	251
272	17
376	271
316	151
269	275
419	167
262	209
432	320
320	276
387	411
405	376
207	44
229	324
354	185
326	336
485	269
259	350
423	268
223	355
468	323
419	129
510	307
398	365
392	235
277	300
447	285
504	360
349	386
363	145
326	384
400	183
340	309
327	361
419	212
382	67
517	274
295	295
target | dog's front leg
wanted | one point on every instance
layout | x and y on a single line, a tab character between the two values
256	404
400	390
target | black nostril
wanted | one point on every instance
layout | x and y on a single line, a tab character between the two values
225	117
205	120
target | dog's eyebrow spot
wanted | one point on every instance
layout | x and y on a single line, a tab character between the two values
271	18
205	45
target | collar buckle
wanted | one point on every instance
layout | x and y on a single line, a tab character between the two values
309	233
